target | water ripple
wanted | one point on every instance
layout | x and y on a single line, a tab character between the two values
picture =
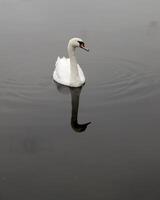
18	94
128	81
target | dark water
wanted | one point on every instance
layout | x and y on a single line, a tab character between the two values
47	151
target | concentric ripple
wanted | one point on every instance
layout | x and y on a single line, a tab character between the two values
125	80
19	94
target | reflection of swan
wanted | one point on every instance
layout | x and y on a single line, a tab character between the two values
67	71
75	94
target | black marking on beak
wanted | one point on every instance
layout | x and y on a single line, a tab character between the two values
82	45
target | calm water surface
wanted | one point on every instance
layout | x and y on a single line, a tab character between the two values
47	149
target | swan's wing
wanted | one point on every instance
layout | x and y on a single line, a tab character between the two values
81	75
61	73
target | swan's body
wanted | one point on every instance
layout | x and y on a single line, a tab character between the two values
67	70
62	73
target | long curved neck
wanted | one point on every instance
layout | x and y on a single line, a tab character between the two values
73	63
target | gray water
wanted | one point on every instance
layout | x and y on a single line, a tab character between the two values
47	148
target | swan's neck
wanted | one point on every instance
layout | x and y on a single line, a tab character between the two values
74	76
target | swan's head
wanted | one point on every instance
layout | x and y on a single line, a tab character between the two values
77	42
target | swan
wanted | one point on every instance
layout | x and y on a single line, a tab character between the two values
67	70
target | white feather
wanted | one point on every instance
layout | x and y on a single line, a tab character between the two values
61	73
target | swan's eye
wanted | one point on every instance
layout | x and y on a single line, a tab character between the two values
81	44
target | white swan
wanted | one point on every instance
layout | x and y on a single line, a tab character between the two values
67	70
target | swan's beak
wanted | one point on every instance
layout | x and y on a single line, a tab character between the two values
83	47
